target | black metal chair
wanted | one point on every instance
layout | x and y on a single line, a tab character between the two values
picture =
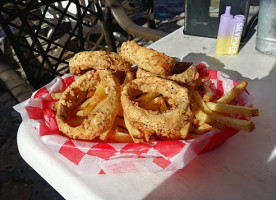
127	15
45	34
140	11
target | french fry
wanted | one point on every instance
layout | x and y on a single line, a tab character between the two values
136	135
147	135
184	131
104	135
233	93
145	98
163	106
154	104
118	136
200	101
237	124
54	108
100	93
233	109
202	116
196	122
209	95
203	129
90	93
56	96
202	80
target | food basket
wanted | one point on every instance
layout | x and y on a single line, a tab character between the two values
87	157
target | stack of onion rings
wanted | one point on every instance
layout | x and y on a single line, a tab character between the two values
95	66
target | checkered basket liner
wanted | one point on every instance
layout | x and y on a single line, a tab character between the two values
103	158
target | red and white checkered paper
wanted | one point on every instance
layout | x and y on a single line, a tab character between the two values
104	158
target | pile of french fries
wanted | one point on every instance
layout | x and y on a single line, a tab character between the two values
208	112
217	114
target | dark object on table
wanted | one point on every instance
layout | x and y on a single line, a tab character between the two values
202	16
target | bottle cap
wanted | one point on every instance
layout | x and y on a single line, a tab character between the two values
227	12
239	18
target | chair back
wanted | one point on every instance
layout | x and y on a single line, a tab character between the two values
45	34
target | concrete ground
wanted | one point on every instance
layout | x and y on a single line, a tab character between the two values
17	179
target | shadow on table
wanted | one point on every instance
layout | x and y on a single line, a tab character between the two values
197	58
213	63
246	161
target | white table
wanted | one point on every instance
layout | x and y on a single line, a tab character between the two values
243	168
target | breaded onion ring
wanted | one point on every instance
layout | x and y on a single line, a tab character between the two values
167	123
87	60
183	73
98	122
146	58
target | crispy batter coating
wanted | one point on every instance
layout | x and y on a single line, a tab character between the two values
146	58
168	123
97	122
87	60
183	73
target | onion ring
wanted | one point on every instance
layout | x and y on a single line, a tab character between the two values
183	73
147	59
87	60
100	120
168	123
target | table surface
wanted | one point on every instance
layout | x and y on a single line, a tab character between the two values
242	168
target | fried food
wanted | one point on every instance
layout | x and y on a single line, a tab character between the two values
203	117
233	109
100	119
129	76
119	136
97	60
166	124
235	123
56	96
185	130
146	58
183	73
203	129
164	100
233	93
119	132
208	95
